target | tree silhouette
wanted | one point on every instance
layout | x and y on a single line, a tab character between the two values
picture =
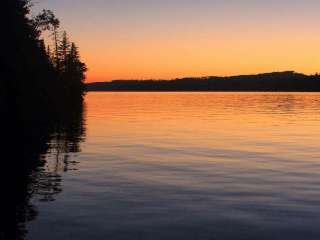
63	52
34	99
75	71
47	21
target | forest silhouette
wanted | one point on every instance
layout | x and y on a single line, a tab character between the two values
34	78
41	100
288	81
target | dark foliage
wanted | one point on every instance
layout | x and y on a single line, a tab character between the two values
33	85
277	81
37	99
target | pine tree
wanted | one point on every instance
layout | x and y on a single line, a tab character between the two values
63	52
75	71
78	67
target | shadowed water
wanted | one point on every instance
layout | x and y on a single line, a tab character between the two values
185	166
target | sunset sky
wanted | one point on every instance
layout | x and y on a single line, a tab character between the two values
140	39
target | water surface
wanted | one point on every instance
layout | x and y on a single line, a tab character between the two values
186	166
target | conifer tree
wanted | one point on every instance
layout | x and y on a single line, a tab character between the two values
63	52
76	71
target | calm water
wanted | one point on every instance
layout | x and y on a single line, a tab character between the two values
185	166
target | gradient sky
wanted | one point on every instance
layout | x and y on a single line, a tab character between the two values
140	39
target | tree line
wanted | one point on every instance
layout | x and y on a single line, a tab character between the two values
64	57
39	75
41	96
277	81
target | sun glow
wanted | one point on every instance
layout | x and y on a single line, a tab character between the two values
167	39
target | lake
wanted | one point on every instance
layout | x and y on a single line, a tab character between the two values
184	166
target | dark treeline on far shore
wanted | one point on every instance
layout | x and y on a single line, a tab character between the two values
41	95
276	81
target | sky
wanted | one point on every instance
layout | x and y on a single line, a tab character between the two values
165	39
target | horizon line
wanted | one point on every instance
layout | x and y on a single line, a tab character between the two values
198	77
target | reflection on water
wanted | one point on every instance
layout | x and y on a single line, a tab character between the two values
37	163
180	166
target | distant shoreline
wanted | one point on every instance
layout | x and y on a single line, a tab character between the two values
200	91
288	81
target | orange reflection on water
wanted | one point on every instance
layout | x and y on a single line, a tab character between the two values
243	121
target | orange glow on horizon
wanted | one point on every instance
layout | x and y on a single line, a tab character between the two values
152	39
172	58
203	60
